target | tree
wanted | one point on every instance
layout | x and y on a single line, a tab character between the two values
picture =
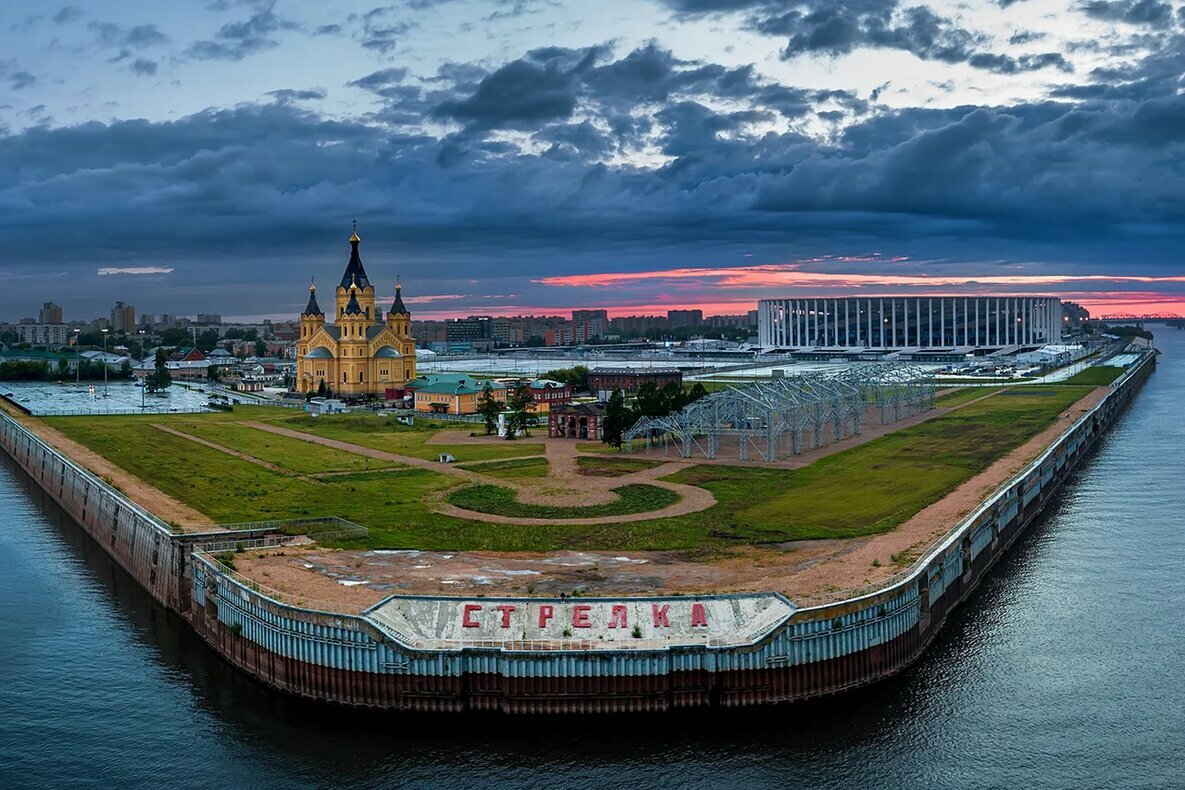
522	412
489	408
697	391
321	388
160	378
207	339
175	336
674	396
650	401
125	369
616	417
575	377
260	348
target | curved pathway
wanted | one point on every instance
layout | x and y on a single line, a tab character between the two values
692	498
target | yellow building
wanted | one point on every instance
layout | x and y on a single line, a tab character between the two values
359	353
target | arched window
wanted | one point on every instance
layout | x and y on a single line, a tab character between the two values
361	376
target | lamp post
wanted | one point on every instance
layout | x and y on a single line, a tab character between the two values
143	384
77	360
104	363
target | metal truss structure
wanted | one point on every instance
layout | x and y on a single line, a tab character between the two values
776	416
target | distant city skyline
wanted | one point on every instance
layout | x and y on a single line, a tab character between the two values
537	156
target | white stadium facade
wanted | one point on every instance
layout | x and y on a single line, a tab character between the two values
904	322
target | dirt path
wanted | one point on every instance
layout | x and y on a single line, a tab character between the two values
143	494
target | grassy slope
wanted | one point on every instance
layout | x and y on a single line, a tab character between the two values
866	489
1097	376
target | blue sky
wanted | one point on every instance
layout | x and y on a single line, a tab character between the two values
536	155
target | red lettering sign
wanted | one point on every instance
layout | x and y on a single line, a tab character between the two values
467	621
659	613
505	609
546	612
580	616
699	615
617	618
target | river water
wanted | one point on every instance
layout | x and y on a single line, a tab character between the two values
1064	670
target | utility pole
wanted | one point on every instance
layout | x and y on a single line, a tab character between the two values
104	363
77	360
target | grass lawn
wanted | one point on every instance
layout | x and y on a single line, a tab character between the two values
863	490
876	486
613	467
293	454
500	501
964	394
383	433
512	469
1096	376
596	447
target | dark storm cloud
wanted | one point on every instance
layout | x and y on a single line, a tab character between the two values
839	27
575	140
725	164
522	94
1133	12
549	84
237	40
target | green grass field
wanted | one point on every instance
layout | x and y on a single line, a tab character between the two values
614	466
512	469
383	433
1096	376
292	454
863	490
963	395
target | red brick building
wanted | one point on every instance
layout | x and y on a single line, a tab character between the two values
631	379
576	421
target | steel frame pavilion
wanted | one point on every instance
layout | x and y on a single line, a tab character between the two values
766	415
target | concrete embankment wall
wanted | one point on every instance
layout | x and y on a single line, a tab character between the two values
143	545
349	659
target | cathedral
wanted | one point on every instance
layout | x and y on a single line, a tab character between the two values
359	353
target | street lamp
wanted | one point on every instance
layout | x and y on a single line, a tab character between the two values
77	361
143	384
104	363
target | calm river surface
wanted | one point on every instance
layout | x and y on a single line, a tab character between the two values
1064	670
